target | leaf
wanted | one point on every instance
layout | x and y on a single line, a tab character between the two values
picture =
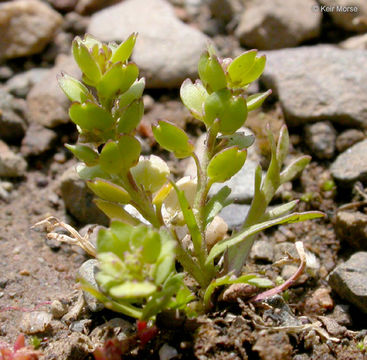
238	139
120	156
256	100
280	210
151	247
190	221
133	93
230	110
131	117
226	163
90	116
117	80
133	290
193	97
116	212
125	49
216	204
241	236
261	282
211	72
283	145
108	241
255	71
90	172
293	169
85	61
109	191
172	138
73	89
240	66
84	153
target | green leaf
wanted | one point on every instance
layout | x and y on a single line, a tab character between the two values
125	49
116	212
90	116
216	204
261	282
280	210
193	97
241	236
133	290
293	169
151	247
117	80
172	138
240	66
85	61
226	163
230	110
256	100
108	241
256	70
238	139
84	153
283	145
211	72
190	221
130	118
109	191
133	93
73	89
120	156
90	172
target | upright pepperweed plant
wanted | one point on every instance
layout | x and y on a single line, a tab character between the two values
137	254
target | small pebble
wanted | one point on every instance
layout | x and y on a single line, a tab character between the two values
60	157
167	352
58	309
35	322
24	272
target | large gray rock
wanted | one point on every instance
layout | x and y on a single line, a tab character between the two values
78	199
349	280
37	140
348	138
351	165
275	24
235	215
167	50
47	104
347	14
319	83
26	27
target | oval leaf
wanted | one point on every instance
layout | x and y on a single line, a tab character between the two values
73	88
256	100
226	163
211	72
193	97
109	191
172	138
132	290
240	66
134	92
90	116
84	153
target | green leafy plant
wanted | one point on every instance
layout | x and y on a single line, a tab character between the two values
137	254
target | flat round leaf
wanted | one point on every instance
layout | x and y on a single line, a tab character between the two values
90	172
240	66
130	149
106	190
172	138
193	97
226	163
89	116
230	110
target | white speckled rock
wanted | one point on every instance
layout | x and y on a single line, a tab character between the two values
26	27
167	50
